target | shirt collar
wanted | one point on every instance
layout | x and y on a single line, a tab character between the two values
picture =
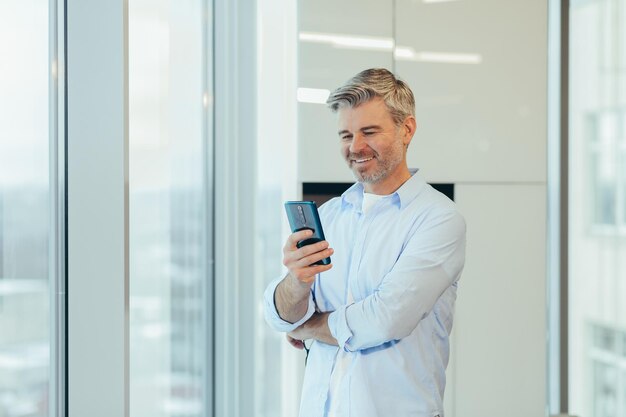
402	196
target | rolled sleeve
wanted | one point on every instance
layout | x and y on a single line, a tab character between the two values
272	317
338	326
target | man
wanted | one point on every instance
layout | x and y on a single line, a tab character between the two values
380	316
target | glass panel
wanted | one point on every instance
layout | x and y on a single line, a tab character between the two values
169	199
604	193
597	254
622	165
604	338
24	209
623	391
605	390
278	367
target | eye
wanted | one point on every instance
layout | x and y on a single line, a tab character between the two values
369	132
346	137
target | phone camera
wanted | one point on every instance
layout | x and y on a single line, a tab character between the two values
301	213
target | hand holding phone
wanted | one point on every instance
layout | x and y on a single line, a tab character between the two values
303	215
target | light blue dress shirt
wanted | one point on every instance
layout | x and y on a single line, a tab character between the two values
402	261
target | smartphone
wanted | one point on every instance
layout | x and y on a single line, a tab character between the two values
303	215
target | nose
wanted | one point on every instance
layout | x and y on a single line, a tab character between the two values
357	144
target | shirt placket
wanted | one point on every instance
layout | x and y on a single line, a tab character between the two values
363	224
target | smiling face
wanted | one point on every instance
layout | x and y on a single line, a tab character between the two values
374	147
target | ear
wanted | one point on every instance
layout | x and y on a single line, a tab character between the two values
409	126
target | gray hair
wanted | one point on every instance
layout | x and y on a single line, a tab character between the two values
372	83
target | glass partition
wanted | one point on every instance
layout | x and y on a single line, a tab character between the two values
170	103
25	209
597	204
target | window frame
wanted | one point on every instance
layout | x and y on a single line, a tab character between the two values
57	93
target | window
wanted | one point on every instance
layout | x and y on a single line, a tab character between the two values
597	201
26	275
170	200
607	358
607	153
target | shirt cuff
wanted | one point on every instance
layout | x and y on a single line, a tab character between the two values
338	325
271	313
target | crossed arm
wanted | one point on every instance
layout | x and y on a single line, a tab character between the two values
314	328
426	268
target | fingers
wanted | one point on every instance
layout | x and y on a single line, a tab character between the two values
296	237
300	261
311	259
298	344
307	274
294	254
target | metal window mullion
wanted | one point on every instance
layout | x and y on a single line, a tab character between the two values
558	219
57	236
97	208
208	143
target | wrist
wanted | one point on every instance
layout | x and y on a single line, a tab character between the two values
316	325
296	287
291	301
317	328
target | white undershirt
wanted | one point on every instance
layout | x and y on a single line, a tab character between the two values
369	200
343	359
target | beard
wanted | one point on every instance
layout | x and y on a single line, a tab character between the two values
383	166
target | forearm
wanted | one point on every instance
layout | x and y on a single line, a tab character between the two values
395	310
291	297
315	328
291	300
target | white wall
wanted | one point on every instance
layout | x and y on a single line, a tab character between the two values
479	73
321	65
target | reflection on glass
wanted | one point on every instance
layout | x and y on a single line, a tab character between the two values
623	391
597	232
24	209
269	372
622	165
605	390
607	355
603	189
604	338
603	148
169	267
277	366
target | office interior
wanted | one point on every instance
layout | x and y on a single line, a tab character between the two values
147	147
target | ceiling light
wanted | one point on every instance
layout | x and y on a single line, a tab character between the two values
348	41
313	95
